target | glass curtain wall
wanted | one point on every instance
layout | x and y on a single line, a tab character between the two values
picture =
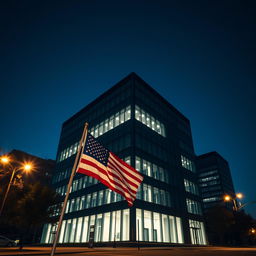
197	232
157	227
109	226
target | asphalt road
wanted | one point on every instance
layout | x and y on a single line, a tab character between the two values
172	251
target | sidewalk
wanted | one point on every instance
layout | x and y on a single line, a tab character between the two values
42	250
128	251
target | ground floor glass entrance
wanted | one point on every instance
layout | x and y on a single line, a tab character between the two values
108	226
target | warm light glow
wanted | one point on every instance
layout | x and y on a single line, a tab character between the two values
5	159
239	195
27	167
253	230
227	198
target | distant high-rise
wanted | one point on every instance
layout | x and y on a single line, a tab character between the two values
214	179
141	127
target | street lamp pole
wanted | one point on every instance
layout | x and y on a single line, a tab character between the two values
235	204
7	191
228	198
25	166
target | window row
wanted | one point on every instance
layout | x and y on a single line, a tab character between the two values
107	227
210	183
197	232
67	152
157	227
112	122
151	170
61	175
154	195
96	131
203	174
193	206
96	111
188	164
83	182
149	121
209	178
211	199
97	198
191	187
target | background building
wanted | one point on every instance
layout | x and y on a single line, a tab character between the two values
132	120
214	179
43	168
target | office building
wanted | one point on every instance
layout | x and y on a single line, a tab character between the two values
136	123
214	179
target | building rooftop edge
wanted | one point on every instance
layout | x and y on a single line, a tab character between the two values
13	151
118	84
212	153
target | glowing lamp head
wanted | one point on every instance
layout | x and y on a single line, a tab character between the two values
239	195
227	198
27	167
5	160
253	231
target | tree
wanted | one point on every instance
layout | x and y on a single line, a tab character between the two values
240	229
228	227
28	208
218	223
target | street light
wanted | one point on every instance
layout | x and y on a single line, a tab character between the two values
228	198
22	166
5	159
239	195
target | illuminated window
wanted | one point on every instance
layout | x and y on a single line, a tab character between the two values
188	164
193	206
151	170
191	187
211	199
98	130
149	121
157	227
197	232
111	122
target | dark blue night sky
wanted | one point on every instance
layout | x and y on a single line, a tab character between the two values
58	56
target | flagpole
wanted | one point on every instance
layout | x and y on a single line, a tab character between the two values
114	246
78	155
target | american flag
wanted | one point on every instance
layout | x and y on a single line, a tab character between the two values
103	165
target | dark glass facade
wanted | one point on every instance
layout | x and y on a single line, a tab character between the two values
215	181
136	123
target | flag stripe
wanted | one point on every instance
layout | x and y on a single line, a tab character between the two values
105	177
108	172
127	180
93	174
120	169
98	162
104	173
131	188
134	174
